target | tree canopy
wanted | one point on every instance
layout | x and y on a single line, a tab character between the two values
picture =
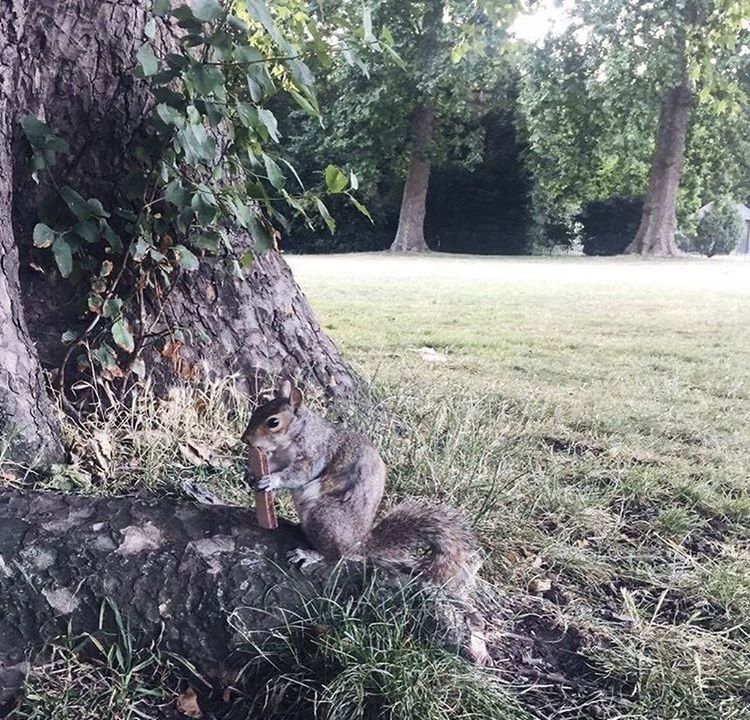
591	96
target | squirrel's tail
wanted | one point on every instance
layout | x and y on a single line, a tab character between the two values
431	539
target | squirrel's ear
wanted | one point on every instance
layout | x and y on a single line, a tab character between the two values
296	399
285	390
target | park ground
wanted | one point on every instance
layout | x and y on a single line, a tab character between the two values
592	418
593	415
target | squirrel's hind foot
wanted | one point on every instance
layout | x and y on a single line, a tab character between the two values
304	557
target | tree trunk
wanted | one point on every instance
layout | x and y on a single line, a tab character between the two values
28	429
190	567
200	571
656	233
72	68
410	233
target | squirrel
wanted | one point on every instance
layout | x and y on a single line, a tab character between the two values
336	478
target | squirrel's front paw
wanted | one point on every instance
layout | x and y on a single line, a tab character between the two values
268	482
304	557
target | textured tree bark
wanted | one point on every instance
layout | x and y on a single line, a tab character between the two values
27	421
75	61
656	233
189	567
197	576
410	232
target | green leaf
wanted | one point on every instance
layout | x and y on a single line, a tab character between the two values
139	368
122	335
247	54
105	356
336	181
185	18
63	256
357	204
140	250
258	10
176	194
35	130
112	238
243	214
161	7
76	204
43	235
156	256
197	143
97	208
246	217
247	115
247	259
203	204
206	10
185	258
170	115
274	172
238	24
294	172
206	79
305	104
88	230
45	143
323	210
149	65
112	308
269	120
205	241
369	36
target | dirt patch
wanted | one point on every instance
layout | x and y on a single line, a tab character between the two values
570	447
547	665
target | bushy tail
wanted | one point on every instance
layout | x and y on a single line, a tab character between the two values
427	538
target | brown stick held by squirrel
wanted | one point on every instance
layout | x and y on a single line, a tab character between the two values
265	508
336	478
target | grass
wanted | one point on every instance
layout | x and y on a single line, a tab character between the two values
591	415
370	655
99	676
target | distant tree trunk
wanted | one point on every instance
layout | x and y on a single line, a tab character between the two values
410	233
70	64
657	231
27	421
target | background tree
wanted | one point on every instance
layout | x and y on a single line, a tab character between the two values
394	122
134	210
612	103
720	229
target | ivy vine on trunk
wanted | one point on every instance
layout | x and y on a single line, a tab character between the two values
143	191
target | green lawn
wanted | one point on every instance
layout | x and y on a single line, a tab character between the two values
594	416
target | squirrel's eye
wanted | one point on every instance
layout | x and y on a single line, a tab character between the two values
272	422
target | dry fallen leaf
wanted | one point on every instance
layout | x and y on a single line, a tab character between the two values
195	453
540	586
429	354
171	349
187	704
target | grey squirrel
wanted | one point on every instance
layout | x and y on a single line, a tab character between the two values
336	478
